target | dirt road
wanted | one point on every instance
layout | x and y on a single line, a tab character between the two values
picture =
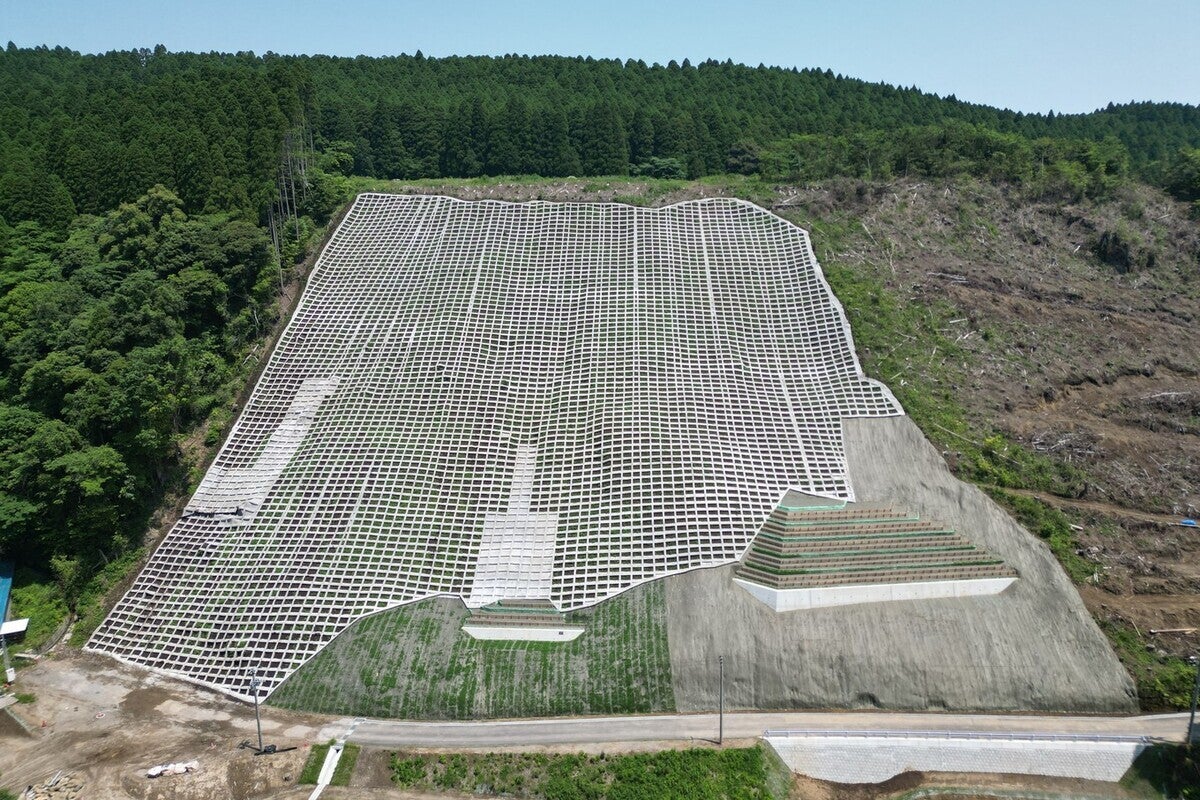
1097	506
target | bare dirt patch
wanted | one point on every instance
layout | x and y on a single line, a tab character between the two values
107	723
959	786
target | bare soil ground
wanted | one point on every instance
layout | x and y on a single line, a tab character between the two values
1092	362
964	786
107	723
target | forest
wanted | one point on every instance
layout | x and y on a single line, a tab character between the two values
152	203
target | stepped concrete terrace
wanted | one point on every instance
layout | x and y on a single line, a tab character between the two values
810	554
521	620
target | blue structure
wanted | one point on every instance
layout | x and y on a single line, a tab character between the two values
6	578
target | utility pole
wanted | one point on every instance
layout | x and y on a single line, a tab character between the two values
721	702
1191	731
255	682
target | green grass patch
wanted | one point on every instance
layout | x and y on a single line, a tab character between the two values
1164	683
736	774
1169	771
345	765
1052	526
312	767
93	604
26	698
35	595
414	662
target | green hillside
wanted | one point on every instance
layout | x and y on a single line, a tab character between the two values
153	205
92	131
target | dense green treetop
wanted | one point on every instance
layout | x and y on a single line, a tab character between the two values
92	131
113	341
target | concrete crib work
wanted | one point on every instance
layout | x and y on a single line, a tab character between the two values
504	401
876	756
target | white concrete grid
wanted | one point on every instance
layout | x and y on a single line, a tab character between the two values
649	381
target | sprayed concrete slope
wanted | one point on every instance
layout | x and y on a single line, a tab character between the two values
1032	647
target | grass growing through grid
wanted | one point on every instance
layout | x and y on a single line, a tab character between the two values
736	774
414	662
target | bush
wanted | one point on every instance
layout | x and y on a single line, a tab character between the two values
670	168
1169	770
407	772
39	598
91	604
1164	683
1052	526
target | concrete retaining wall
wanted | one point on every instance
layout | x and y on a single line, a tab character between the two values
874	757
825	596
522	634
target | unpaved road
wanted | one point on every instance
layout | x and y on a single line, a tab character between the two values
1097	506
703	727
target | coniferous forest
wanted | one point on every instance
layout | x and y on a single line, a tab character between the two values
151	201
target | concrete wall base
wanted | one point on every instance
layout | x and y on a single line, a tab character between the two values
520	634
874	757
825	596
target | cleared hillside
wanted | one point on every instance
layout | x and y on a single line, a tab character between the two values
984	309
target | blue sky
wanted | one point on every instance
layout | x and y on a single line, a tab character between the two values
1069	55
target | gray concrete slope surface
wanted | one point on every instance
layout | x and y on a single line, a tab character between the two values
1033	647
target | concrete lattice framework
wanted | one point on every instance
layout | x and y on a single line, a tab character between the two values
496	400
